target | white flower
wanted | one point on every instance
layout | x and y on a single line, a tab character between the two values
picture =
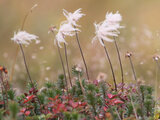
113	18
22	37
108	28
66	29
103	31
72	18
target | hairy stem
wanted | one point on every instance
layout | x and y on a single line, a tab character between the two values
120	62
77	38
60	56
64	72
65	49
156	85
17	51
82	88
109	60
134	109
26	66
134	73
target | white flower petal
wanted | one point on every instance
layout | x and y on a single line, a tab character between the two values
108	28
22	37
72	18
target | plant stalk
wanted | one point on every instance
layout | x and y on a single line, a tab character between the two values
118	114
120	62
134	109
61	59
25	63
69	75
82	88
109	60
134	73
77	38
64	72
26	66
17	51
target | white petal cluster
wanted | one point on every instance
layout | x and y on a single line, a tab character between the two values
113	18
72	18
66	29
108	28
22	37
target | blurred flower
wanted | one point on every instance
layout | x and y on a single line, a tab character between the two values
34	7
48	68
22	37
42	89
108	28
101	76
66	29
156	57
78	68
128	54
72	18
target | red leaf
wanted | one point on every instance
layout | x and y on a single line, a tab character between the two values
53	99
105	108
1	102
84	103
23	110
29	98
27	113
110	96
73	104
116	101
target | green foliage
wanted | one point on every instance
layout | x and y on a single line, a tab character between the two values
11	94
61	82
96	100
14	109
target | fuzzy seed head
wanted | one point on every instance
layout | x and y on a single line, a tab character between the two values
22	37
73	18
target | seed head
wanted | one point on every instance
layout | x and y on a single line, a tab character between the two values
22	37
128	54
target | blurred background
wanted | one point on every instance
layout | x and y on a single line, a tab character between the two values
141	36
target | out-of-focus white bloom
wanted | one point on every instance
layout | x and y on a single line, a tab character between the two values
66	29
38	41
34	6
48	68
22	37
72	18
42	89
108	28
41	47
